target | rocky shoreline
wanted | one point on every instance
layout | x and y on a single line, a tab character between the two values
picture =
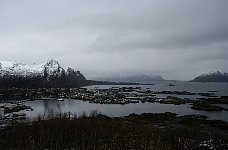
114	95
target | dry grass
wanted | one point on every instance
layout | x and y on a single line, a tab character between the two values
98	132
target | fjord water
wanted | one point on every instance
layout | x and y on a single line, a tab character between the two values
79	107
194	87
117	110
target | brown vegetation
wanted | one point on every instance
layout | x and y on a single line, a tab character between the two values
101	132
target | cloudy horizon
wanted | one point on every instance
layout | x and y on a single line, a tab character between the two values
177	39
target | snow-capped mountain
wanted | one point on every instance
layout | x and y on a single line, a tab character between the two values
212	77
10	68
49	74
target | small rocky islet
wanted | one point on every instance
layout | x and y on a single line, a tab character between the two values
13	106
113	95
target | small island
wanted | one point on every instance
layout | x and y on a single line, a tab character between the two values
200	105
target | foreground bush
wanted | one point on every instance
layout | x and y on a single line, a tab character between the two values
101	132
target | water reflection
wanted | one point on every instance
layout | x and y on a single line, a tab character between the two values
114	110
51	108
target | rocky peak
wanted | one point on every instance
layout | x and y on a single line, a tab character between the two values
52	63
52	67
49	74
212	77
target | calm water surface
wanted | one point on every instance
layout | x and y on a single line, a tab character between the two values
113	110
117	110
193	87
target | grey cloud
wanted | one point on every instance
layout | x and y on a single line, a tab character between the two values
104	37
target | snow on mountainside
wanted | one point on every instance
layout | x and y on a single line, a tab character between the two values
53	67
45	75
10	68
212	77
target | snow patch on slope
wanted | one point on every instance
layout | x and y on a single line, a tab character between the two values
19	69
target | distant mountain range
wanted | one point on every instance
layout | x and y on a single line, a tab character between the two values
131	78
212	77
49	74
45	75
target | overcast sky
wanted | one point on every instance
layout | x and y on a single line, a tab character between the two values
178	39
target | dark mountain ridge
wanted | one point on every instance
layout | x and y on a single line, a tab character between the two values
45	75
49	74
212	77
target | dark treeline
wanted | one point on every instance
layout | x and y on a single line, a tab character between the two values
70	79
212	77
64	80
